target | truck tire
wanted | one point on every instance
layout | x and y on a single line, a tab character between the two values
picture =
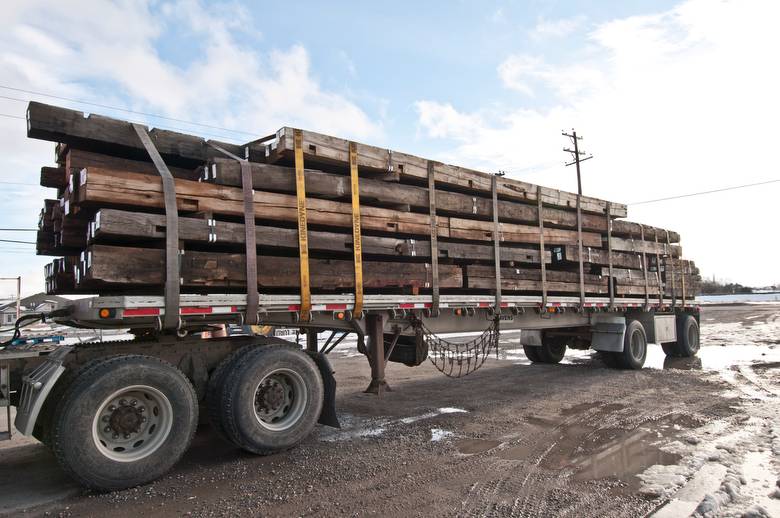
271	399
552	350
634	347
532	353
214	390
687	343
123	422
43	424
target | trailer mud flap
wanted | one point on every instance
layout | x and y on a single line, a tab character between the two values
328	415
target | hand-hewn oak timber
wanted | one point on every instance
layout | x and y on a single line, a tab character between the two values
79	159
649	247
319	148
111	136
53	177
631	230
569	254
107	188
277	178
116	225
143	266
483	277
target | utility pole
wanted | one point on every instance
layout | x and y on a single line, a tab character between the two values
578	157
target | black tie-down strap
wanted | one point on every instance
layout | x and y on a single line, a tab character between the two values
250	236
170	319
434	240
497	244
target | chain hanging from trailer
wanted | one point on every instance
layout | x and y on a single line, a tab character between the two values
459	359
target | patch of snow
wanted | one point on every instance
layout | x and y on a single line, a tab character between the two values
437	434
728	492
353	427
428	415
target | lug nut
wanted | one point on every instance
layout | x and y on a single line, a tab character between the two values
107	429
141	409
105	418
143	418
127	436
115	436
111	408
123	402
133	402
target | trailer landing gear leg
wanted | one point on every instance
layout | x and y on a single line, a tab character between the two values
376	354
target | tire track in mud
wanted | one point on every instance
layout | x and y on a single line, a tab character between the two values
528	488
529	480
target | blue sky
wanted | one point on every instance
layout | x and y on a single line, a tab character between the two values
672	97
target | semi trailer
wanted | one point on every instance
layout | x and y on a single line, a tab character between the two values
149	224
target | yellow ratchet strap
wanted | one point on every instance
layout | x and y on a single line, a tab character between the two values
356	239
303	239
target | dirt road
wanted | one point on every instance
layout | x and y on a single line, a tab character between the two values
513	439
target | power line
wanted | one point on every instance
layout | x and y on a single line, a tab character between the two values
19	183
13	116
32	92
18	230
735	187
15	241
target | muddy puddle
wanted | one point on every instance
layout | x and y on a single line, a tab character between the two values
715	358
623	458
592	451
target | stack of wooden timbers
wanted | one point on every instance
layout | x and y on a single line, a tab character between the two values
108	224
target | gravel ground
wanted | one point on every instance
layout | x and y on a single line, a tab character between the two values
513	439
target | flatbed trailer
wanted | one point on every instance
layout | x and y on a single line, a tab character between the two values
119	414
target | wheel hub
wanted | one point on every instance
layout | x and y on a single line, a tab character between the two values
280	399
125	419
270	397
132	423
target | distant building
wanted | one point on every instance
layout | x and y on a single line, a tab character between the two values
38	303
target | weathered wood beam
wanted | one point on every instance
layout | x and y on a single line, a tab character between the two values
570	254
53	177
114	265
277	178
79	159
112	225
115	137
108	188
319	148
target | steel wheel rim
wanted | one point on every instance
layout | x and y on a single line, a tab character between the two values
132	423
636	345
693	338
280	400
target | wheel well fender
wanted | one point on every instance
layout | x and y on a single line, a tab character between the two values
328	415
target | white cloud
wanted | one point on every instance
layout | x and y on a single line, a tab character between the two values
108	52
545	29
526	74
672	102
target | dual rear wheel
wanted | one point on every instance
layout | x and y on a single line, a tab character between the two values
122	421
634	351
552	350
265	399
